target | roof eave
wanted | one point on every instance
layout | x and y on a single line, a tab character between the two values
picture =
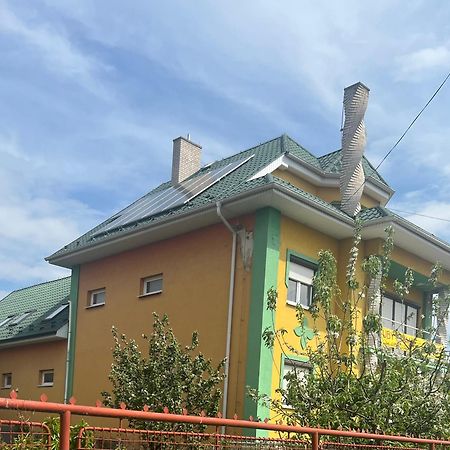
58	335
269	194
411	238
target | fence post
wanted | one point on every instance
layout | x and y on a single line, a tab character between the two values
315	441
64	431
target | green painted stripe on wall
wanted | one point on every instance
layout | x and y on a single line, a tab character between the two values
266	255
74	287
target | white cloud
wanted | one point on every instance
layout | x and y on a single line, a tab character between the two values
423	61
57	51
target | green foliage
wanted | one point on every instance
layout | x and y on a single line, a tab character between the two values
53	424
357	382
167	375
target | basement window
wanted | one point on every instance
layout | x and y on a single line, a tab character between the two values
96	297
6	380
152	285
46	377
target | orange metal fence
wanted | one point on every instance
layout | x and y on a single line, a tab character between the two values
165	431
23	434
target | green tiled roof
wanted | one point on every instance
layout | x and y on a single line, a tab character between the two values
40	300
232	184
332	163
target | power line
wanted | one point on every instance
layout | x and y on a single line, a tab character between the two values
412	123
406	131
421	215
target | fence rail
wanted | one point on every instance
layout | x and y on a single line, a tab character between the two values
23	434
143	435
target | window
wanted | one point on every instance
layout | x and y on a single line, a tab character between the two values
19	318
97	297
152	285
293	368
7	320
57	311
46	377
400	316
300	284
7	380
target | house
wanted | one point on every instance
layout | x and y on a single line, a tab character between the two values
34	324
206	246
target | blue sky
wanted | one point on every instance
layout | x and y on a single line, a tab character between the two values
92	94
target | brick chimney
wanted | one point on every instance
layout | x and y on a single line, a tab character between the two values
353	143
186	159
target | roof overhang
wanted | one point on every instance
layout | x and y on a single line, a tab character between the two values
289	203
59	335
372	187
410	238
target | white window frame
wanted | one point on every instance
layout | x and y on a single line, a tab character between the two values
146	281
392	324
5	384
20	317
296	267
92	294
304	366
58	310
7	320
42	374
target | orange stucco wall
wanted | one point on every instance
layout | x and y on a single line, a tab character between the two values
25	362
195	268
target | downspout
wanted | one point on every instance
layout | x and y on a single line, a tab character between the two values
230	308
69	337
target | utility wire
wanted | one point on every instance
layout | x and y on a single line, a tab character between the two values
406	131
413	122
421	215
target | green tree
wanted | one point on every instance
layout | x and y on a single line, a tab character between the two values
356	381
166	376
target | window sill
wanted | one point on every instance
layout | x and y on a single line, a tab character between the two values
294	305
6	387
45	385
149	294
95	306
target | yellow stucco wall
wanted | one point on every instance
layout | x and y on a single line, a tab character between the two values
329	194
195	268
307	242
25	362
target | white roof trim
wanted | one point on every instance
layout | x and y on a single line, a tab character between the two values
314	176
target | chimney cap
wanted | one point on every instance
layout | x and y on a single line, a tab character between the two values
187	140
355	85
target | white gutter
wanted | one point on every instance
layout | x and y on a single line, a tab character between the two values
230	311
69	338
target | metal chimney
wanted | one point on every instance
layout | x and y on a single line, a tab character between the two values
353	143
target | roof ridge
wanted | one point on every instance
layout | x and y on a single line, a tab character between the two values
301	146
37	284
330	153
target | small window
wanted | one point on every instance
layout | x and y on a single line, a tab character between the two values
152	285
97	297
57	311
6	380
299	369
300	284
20	317
46	377
7	320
